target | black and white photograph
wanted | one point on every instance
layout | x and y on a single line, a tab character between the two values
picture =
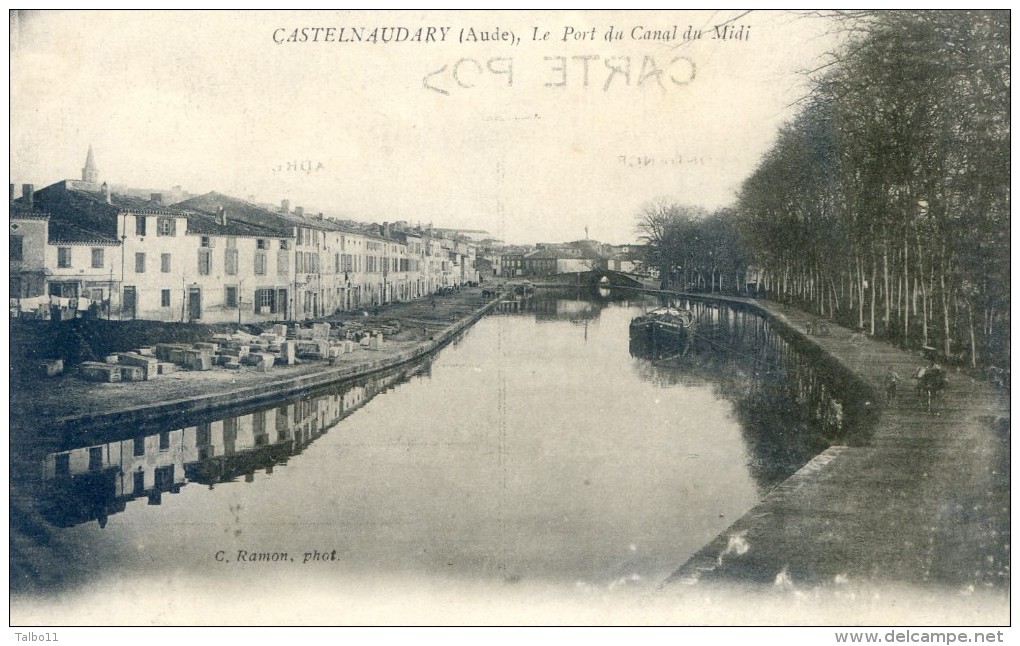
681	318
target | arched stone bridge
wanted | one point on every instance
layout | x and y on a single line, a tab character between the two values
612	278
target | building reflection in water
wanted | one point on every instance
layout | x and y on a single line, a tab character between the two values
94	482
787	406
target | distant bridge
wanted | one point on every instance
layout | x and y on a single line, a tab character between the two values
614	278
590	279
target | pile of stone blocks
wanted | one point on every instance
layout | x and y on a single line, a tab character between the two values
373	341
132	373
313	349
262	352
96	371
196	357
231	351
51	367
148	365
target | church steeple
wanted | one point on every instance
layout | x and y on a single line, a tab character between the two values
90	173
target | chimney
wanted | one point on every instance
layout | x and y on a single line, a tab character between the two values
284	206
106	193
221	215
299	211
28	194
157	198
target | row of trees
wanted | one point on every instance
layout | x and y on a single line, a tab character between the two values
885	203
694	250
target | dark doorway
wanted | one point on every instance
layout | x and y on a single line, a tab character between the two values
194	303
282	303
130	303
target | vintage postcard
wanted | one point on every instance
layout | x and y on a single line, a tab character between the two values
684	318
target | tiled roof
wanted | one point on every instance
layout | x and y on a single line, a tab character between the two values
85	215
65	232
22	212
241	211
203	223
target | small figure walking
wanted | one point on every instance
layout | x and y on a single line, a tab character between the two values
892	380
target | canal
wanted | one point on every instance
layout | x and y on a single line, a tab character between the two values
541	446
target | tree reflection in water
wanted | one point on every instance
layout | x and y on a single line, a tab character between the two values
790	407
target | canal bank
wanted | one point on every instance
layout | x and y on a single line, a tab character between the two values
57	407
924	501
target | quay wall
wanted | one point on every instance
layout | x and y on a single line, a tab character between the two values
141	416
860	395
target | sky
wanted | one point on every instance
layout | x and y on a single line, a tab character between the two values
534	136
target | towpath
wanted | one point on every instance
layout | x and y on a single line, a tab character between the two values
925	502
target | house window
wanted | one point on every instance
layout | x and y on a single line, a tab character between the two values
260	263
17	245
231	243
284	244
139	225
230	260
97	258
63	257
164	298
265	301
230	296
261	243
205	241
139	446
164	441
139	263
282	262
165	226
164	263
95	458
204	262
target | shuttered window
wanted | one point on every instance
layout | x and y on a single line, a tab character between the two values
230	262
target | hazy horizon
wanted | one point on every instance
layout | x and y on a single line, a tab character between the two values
529	140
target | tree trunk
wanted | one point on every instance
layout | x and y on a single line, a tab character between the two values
906	293
874	277
925	291
885	281
973	341
946	341
860	295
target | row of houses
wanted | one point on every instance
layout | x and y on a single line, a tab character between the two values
76	245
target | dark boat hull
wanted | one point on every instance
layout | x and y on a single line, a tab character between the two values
654	339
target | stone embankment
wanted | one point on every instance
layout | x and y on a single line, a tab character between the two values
925	501
54	406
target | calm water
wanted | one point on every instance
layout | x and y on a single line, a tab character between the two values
541	446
